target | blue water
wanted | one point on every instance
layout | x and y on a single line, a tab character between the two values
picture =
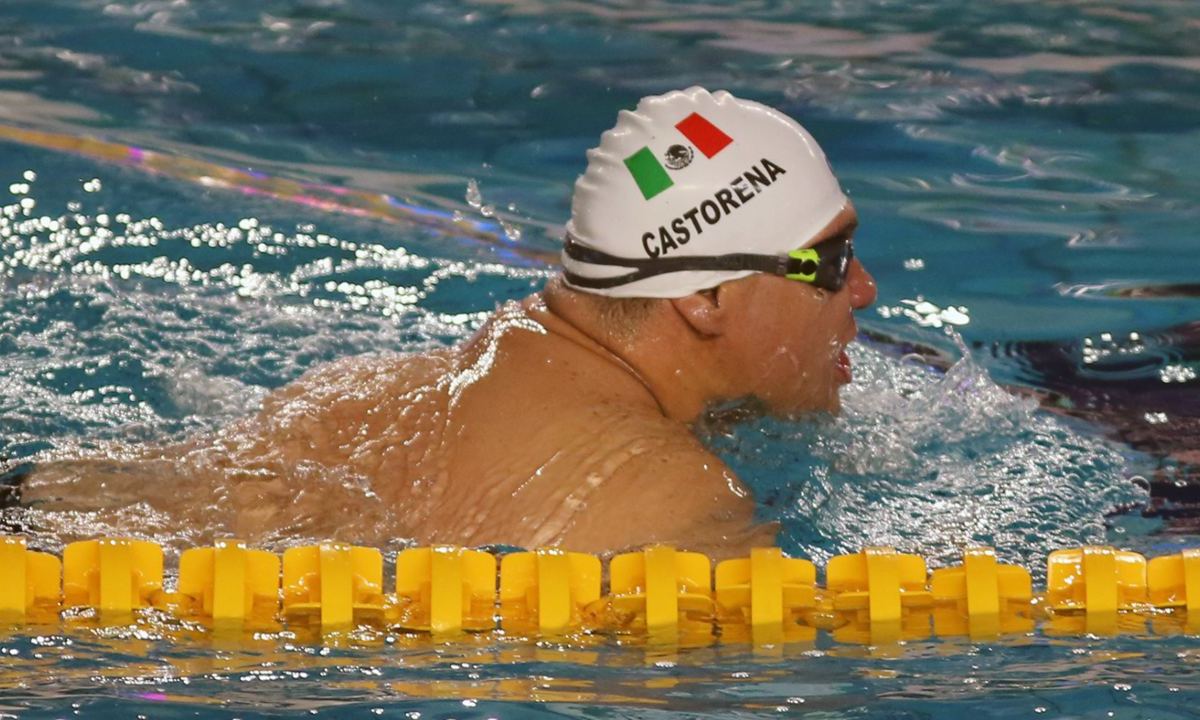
1026	180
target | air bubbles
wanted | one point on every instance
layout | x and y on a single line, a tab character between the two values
92	185
914	264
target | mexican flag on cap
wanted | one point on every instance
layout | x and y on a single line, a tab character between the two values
651	177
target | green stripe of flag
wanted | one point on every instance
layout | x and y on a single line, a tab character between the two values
650	176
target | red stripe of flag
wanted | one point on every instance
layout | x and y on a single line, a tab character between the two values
707	137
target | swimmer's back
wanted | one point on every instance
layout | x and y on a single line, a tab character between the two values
518	437
557	448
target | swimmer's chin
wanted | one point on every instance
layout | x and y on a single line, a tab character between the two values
829	406
721	417
732	412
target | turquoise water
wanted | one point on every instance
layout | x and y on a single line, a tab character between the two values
1026	179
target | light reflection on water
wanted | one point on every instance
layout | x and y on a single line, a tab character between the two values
123	324
920	461
149	667
886	472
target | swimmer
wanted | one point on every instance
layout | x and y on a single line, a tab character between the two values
708	261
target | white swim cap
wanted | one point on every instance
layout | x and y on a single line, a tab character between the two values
698	175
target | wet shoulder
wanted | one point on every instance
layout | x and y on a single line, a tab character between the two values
367	412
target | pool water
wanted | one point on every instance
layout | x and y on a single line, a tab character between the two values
204	199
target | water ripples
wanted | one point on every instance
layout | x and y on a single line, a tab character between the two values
985	139
113	324
931	463
1025	173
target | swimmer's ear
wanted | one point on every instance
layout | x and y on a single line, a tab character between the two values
702	311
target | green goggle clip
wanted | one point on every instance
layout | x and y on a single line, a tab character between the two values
809	260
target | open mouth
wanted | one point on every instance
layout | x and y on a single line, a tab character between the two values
843	367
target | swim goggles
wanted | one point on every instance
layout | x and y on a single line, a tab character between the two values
824	265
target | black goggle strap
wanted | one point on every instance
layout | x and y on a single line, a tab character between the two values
821	266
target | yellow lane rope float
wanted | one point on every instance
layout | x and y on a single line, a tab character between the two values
876	596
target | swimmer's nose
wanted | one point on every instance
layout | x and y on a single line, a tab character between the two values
861	285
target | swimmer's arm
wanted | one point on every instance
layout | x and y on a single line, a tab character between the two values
687	498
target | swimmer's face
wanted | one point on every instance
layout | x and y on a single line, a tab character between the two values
788	344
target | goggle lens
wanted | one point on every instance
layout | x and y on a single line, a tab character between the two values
825	264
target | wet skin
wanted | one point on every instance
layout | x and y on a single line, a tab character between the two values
542	429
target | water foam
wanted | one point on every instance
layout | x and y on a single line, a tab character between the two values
929	463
